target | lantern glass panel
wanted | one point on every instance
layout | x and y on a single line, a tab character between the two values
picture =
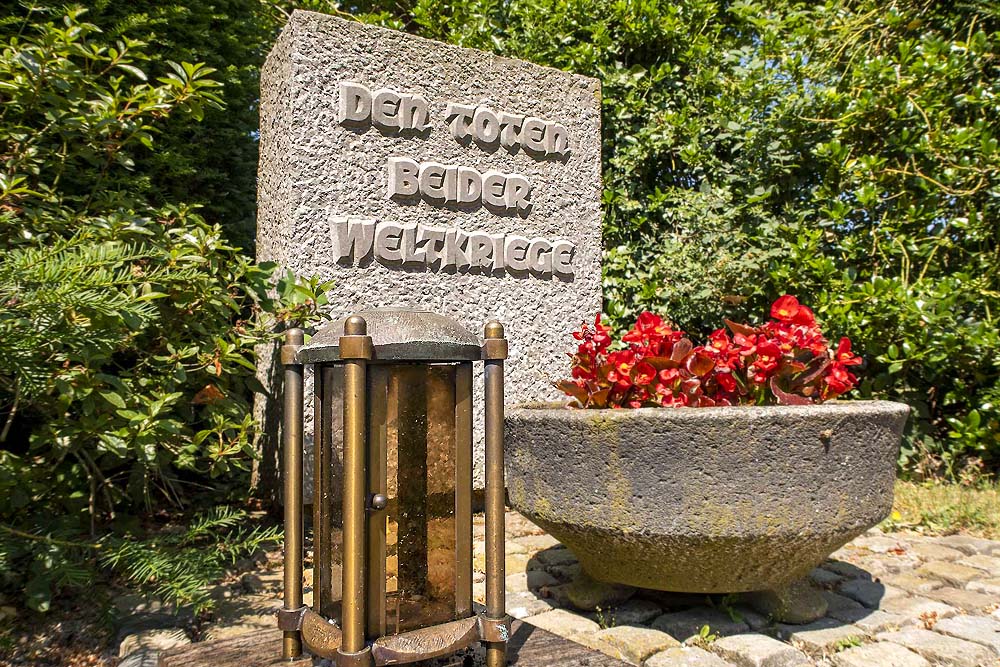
420	533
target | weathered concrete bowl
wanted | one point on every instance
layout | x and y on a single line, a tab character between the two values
704	500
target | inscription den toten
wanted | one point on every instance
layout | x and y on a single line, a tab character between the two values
437	183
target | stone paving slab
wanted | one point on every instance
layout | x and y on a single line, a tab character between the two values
684	624
635	644
988	586
970	545
990	564
950	573
686	656
941	649
917	608
968	601
753	650
821	637
978	629
882	654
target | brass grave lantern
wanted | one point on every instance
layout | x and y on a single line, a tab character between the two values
392	505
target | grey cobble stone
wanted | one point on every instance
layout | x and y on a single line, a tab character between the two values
564	623
970	545
636	644
988	586
939	648
969	601
825	578
839	604
950	573
847	570
753	650
913	583
530	580
881	654
537	542
635	612
683	624
869	593
686	656
989	564
871	620
880	544
979	629
823	636
525	604
913	608
931	551
556	556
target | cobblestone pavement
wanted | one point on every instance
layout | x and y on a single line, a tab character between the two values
895	600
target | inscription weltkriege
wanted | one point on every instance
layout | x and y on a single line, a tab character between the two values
449	248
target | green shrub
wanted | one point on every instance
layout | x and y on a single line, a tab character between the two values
127	327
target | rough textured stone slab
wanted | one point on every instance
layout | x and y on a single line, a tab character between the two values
686	656
875	621
683	624
847	570
753	650
525	604
530	580
979	629
932	551
635	612
913	583
881	654
988	586
825	578
913	608
636	644
970	545
990	564
535	543
564	623
966	600
823	636
316	172
941	649
880	544
950	573
838	605
869	593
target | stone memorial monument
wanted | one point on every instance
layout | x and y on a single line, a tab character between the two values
421	175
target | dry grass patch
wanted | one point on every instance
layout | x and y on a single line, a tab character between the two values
946	509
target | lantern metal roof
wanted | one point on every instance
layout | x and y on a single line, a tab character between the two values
398	335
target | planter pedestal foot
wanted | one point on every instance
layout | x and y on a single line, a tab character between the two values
589	594
799	602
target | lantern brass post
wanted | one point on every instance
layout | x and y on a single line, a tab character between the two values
291	646
494	352
375	608
355	350
463	490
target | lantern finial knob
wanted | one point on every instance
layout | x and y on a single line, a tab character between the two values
493	329
355	325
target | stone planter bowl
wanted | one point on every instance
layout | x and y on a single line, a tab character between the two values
704	500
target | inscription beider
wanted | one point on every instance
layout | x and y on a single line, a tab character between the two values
455	184
449	248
